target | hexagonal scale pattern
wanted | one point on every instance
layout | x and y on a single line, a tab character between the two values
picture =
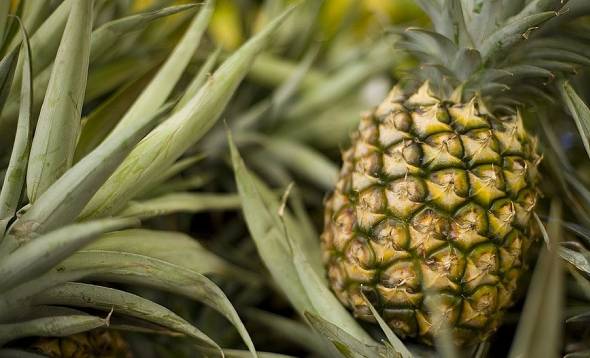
431	216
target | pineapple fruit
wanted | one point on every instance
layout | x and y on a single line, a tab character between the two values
434	203
95	343
432	217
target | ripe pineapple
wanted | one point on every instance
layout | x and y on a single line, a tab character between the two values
432	217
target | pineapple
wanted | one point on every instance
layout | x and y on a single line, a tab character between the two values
432	218
95	343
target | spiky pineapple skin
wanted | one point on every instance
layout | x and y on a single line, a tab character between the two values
432	216
98	343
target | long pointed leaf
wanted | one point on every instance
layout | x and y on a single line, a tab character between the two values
133	269
164	145
49	326
579	111
108	34
120	302
14	180
161	86
58	125
41	254
64	200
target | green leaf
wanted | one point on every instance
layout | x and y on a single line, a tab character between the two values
7	68
544	299
180	202
537	6
580	259
346	344
163	83
345	81
108	34
165	144
199	79
33	14
45	41
265	229
61	326
105	78
323	301
4	9
133	269
97	126
514	31
17	353
291	269
579	111
39	255
291	330
64	200
120	303
303	160
14	179
399	347
175	247
173	170
52	150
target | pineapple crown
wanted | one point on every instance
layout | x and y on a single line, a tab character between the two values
508	49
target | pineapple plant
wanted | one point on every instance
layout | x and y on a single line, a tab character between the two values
439	212
81	172
432	219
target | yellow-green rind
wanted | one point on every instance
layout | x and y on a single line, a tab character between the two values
432	216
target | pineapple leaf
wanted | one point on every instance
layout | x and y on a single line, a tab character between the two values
579	259
544	298
483	17
579	111
7	68
557	54
199	79
14	180
120	302
156	93
134	269
45	41
109	77
17	353
52	150
160	180
165	144
108	34
460	33
341	83
513	32
346	344
180	202
174	247
398	346
64	200
537	6
39	255
323	301
33	13
303	160
60	326
4	9
103	119
290	329
265	229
